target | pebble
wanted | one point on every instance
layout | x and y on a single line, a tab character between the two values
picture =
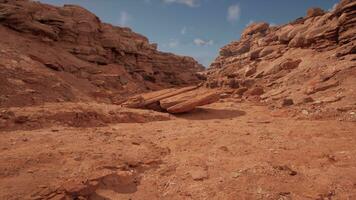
305	112
199	174
236	174
287	102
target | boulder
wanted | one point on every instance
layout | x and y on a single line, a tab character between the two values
321	87
255	28
287	102
314	12
177	99
141	101
190	105
173	100
256	91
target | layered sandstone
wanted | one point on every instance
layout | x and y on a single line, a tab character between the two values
54	54
309	62
174	100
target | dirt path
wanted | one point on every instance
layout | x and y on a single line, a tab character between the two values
222	151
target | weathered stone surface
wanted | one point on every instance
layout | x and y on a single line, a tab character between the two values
321	87
174	100
311	55
143	100
255	28
287	102
314	12
256	91
177	99
107	61
189	105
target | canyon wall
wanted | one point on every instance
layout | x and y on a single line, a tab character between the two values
309	62
54	54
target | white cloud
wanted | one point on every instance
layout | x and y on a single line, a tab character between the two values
333	8
183	31
201	42
190	3
173	43
273	24
250	22
233	13
124	18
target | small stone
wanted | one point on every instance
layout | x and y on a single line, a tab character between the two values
305	112
241	91
199	174
78	158
21	119
287	102
308	100
256	91
223	148
25	139
224	95
236	174
293	173
352	113
250	71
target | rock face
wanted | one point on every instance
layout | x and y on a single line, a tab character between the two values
312	57
66	54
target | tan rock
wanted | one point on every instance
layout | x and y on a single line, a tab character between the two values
256	91
255	28
321	87
313	12
196	101
141	101
177	99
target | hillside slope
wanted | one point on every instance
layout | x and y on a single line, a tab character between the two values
309	62
54	54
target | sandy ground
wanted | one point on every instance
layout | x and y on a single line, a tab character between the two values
221	151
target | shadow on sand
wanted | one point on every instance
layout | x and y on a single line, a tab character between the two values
210	113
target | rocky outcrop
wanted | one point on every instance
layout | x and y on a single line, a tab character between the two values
174	101
312	57
70	46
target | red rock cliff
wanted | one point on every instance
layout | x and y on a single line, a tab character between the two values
66	53
310	61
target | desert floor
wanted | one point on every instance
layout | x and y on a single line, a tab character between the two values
227	150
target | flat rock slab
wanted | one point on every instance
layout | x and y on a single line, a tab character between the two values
174	100
190	105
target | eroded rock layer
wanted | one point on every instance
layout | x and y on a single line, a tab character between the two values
51	54
174	101
309	62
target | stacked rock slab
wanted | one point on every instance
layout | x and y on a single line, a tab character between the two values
174	100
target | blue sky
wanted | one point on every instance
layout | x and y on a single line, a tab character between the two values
196	28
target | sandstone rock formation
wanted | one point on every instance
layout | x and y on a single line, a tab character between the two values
53	54
174	100
312	57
